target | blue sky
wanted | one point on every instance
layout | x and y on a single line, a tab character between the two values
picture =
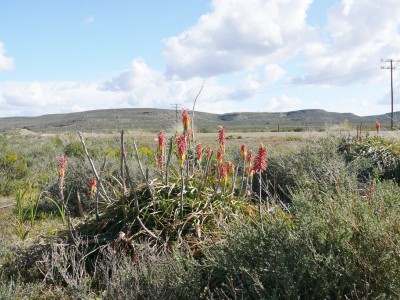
250	55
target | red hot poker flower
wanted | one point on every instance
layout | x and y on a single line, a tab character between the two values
181	141
161	141
377	125
92	187
220	156
243	150
62	165
199	152
224	174
161	147
260	161
222	138
231	168
185	120
249	159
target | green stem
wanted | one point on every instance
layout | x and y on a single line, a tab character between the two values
183	190
259	201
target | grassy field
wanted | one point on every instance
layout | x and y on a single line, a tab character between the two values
319	219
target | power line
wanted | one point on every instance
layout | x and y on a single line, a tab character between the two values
391	68
336	76
176	105
304	82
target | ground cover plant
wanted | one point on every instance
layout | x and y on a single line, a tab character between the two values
174	218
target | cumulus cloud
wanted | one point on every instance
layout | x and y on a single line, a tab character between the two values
238	36
38	98
138	86
252	39
361	32
283	103
6	62
254	82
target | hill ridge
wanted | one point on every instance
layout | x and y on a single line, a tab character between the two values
155	119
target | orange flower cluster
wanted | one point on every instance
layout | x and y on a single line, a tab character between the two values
231	168
224	174
243	150
199	152
222	138
161	149
181	142
62	166
92	188
260	161
185	120
377	126
220	156
249	159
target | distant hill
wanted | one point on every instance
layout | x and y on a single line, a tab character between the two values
153	120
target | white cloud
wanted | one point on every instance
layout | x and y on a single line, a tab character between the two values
238	36
251	39
138	86
284	103
272	73
254	82
361	33
38	98
6	62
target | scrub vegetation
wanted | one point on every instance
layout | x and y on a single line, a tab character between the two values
177	216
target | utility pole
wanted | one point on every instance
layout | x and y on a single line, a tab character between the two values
175	105
391	68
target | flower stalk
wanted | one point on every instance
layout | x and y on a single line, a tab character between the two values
260	165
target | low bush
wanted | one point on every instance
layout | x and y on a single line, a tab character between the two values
195	229
334	244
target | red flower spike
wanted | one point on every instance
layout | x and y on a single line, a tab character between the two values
62	165
220	156
185	119
181	141
199	152
377	126
161	147
224	174
260	161
161	141
222	138
243	150
231	168
249	159
92	187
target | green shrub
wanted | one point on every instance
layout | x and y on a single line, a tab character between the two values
316	162
383	156
335	244
74	149
150	274
336	236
